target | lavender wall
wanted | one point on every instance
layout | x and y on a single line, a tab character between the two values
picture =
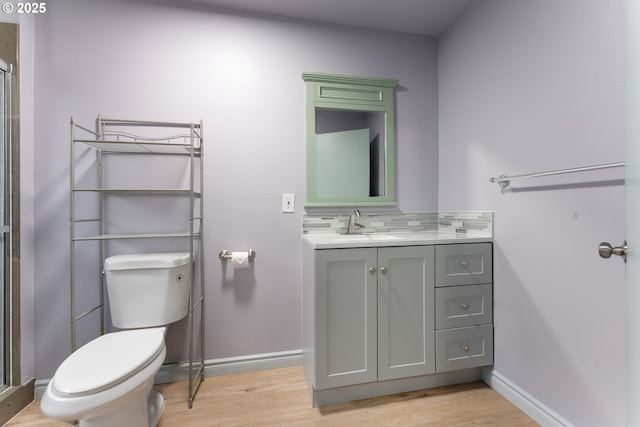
530	86
242	76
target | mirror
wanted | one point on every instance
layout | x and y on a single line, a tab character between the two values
350	141
348	154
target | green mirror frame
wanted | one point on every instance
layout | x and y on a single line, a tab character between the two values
350	93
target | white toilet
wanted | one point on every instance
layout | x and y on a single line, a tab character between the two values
107	382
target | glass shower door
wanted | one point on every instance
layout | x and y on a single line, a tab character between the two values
5	227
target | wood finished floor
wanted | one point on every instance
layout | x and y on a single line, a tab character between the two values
279	397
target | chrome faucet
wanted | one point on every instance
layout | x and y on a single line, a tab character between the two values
353	225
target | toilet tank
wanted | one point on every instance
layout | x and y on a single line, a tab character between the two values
148	290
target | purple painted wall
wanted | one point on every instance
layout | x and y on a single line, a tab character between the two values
530	86
242	76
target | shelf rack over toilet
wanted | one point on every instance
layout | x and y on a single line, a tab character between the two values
116	137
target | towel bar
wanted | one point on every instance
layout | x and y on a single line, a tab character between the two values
503	180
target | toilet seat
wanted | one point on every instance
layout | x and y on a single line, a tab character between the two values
107	361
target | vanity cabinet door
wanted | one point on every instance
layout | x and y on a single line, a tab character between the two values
346	324
406	343
464	264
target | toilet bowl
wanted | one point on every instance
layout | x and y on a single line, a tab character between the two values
108	381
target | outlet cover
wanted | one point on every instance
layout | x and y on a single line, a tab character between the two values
288	202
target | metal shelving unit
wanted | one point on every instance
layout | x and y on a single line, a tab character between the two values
90	150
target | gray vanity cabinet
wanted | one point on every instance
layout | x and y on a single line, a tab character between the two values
373	315
385	319
464	306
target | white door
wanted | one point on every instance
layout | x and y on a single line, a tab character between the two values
632	182
343	163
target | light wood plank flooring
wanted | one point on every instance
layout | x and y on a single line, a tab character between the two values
279	397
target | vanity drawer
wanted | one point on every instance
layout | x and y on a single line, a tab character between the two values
462	348
463	264
459	306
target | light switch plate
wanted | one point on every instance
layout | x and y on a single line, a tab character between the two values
288	202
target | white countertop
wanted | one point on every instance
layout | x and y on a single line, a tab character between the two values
338	241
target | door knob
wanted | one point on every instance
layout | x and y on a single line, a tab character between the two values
606	250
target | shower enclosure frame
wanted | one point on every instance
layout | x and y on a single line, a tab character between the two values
5	227
15	394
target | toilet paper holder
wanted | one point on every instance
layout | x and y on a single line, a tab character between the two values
225	254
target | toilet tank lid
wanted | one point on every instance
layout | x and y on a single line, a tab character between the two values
147	260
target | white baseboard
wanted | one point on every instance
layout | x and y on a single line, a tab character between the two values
233	365
528	404
173	372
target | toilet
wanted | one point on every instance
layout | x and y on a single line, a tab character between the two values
108	381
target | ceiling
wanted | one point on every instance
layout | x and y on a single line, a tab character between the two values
426	17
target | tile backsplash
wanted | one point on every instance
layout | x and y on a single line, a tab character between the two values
472	223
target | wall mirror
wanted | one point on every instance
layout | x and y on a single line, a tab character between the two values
350	140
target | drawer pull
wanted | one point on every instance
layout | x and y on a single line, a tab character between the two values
464	264
466	348
464	306
372	270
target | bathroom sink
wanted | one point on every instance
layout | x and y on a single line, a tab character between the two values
365	237
326	241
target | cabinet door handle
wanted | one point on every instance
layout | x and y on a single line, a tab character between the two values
383	270
372	270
